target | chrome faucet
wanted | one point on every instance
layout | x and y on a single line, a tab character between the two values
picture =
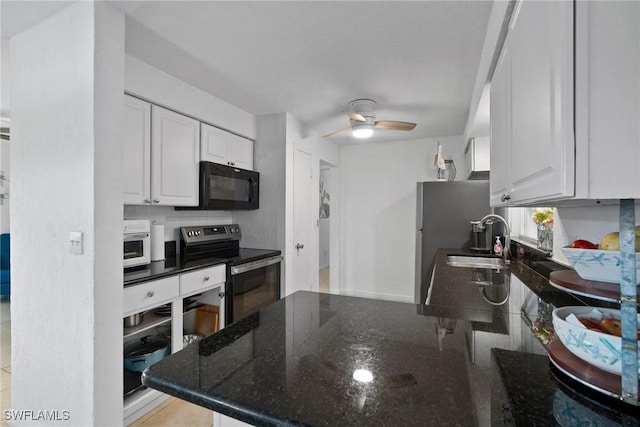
490	219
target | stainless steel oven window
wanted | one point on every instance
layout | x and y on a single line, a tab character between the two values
254	289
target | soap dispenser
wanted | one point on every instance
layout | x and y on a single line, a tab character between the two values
497	248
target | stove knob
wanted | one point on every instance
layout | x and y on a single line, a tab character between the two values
190	233
197	233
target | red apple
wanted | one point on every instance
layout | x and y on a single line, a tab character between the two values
583	244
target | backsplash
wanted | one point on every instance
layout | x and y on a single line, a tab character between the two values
173	219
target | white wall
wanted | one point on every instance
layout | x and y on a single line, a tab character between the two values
378	197
4	122
5	79
265	228
156	86
5	186
67	86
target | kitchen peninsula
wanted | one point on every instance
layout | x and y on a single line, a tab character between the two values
324	360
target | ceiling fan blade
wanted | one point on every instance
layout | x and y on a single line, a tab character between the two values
336	131
394	125
355	116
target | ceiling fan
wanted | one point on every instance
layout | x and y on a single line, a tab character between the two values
362	115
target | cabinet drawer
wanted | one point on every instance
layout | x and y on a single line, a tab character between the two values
150	294
202	279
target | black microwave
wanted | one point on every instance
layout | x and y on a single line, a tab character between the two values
225	187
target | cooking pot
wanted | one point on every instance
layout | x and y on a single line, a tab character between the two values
133	320
142	353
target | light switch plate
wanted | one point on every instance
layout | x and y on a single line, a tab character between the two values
75	242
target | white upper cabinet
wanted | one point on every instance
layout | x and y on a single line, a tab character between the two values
499	152
220	146
175	158
137	151
160	163
565	104
532	133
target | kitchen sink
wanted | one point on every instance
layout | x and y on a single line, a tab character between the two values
471	261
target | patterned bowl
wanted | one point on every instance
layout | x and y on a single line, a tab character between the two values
602	350
595	264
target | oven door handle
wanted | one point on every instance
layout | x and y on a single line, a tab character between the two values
135	236
254	265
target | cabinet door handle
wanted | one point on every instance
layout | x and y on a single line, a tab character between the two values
147	201
150	294
505	197
156	200
206	278
221	295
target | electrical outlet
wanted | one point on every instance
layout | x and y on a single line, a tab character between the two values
75	242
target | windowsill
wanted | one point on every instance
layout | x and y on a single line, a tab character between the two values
533	244
527	241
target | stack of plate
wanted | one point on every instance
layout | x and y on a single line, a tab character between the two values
165	310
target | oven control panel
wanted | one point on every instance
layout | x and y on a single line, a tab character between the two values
201	234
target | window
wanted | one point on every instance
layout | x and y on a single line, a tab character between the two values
523	227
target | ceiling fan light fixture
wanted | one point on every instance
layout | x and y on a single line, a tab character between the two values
362	131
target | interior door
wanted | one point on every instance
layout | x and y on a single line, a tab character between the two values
303	274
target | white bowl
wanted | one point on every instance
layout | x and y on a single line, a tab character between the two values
595	264
602	350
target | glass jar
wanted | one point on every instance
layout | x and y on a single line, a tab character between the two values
545	238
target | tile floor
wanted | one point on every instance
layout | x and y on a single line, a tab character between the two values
176	412
324	280
5	359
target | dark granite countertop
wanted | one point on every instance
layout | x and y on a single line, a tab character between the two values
293	363
170	267
175	265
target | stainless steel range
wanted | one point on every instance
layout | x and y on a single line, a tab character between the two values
253	275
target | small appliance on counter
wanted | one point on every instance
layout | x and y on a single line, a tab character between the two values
157	242
481	237
137	242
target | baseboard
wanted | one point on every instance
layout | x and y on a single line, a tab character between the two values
377	295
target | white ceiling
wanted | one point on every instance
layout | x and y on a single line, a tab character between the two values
417	59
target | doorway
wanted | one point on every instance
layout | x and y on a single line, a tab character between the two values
324	228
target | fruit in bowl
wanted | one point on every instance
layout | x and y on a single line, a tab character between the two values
600	262
583	244
611	241
597	343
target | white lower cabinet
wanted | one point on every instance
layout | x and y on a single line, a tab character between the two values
170	308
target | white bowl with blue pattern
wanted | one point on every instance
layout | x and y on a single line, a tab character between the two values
595	264
601	350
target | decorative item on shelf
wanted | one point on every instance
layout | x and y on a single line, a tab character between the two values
446	169
542	327
543	217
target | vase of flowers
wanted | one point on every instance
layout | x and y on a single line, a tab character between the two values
543	217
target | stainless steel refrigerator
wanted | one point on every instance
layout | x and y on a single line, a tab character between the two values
444	213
